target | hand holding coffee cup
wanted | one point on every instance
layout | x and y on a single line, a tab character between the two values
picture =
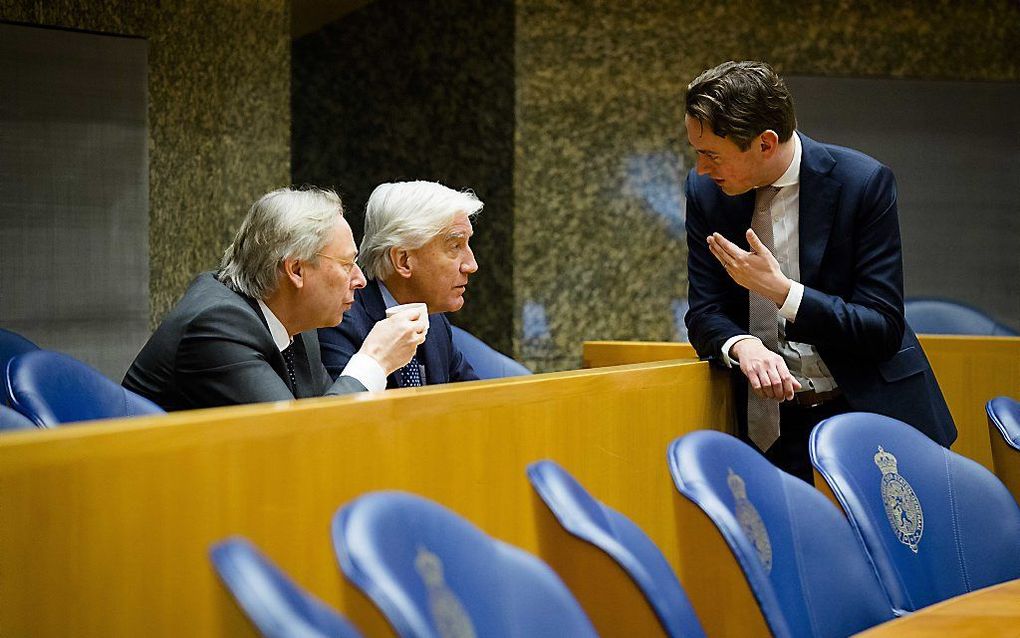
411	309
393	341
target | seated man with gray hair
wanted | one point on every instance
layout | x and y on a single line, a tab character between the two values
246	334
415	249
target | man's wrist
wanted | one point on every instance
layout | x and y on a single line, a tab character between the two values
728	356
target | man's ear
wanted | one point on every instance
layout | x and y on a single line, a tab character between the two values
294	272
401	260
768	142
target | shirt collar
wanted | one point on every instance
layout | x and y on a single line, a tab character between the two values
280	336
387	296
792	174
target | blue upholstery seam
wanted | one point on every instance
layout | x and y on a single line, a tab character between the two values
956	531
802	576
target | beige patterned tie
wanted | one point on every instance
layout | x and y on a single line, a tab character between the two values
763	316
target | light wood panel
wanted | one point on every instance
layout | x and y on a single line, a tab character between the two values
105	528
970	371
987	613
598	354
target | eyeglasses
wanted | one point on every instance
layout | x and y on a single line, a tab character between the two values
347	264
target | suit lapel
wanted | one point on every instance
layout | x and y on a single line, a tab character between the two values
302	370
431	354
819	195
275	356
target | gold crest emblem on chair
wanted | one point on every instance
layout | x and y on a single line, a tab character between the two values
902	507
750	521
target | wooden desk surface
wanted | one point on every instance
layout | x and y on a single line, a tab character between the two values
988	613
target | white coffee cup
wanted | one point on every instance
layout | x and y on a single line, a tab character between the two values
423	319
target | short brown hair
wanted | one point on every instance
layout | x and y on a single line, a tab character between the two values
742	100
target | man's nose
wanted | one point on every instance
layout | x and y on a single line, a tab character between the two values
470	265
357	278
702	166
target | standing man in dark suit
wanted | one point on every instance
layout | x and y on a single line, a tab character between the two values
795	270
246	333
416	249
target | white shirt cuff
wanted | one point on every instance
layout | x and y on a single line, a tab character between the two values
729	344
790	307
366	370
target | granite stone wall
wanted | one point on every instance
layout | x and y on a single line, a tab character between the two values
583	234
219	116
600	154
409	89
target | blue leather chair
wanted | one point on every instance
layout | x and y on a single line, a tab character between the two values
426	567
944	316
935	523
796	549
52	388
275	605
11	345
1004	434
1004	416
11	420
617	536
487	362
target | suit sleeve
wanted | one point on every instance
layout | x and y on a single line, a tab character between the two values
339	344
220	361
870	322
715	300
460	369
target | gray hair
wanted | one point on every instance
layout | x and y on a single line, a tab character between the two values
284	224
408	215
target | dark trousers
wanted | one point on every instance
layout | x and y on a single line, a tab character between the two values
790	451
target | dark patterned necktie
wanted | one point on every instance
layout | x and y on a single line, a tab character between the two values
288	359
763	317
410	375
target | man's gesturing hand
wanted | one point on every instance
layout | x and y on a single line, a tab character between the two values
765	370
392	341
757	270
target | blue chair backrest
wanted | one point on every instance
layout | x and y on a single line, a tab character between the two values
487	362
11	420
426	567
935	523
273	603
802	562
615	534
11	345
943	316
1004	414
52	388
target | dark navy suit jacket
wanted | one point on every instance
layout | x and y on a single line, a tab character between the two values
443	362
852	269
214	348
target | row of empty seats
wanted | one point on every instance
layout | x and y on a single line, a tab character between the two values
920	524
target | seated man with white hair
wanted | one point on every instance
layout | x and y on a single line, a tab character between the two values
245	334
415	250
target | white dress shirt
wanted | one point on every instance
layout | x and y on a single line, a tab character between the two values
803	360
361	366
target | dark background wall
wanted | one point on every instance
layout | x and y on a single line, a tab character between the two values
409	89
219	117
